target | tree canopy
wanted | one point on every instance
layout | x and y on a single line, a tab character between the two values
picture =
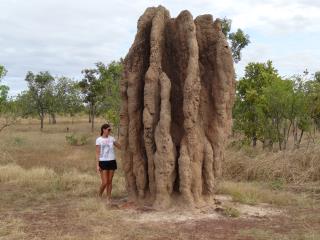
269	108
238	39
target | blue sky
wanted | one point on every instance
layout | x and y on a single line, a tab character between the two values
66	36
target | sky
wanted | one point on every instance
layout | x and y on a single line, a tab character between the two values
66	36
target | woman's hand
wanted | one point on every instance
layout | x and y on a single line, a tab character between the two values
97	158
117	145
98	168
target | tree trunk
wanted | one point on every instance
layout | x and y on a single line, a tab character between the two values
279	135
177	95
254	141
295	136
300	138
92	118
41	122
270	145
284	141
53	117
288	133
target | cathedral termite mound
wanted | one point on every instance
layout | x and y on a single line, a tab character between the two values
177	95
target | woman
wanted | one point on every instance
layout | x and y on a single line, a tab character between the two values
106	160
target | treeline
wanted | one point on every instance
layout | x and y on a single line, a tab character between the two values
97	94
270	108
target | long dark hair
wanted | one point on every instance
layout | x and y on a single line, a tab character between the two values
104	126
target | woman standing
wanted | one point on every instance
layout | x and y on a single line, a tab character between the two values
106	160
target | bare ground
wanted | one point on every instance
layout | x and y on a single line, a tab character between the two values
54	198
80	218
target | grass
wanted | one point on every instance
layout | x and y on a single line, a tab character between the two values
254	193
44	181
25	145
50	188
12	228
230	211
259	234
292	166
43	177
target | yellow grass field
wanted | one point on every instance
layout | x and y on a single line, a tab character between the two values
48	190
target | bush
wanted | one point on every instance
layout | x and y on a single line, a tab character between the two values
18	141
74	140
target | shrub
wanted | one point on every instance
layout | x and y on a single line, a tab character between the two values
18	141
74	140
71	139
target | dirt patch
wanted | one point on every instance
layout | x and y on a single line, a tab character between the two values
217	210
65	220
51	219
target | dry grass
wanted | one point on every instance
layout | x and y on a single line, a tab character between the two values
12	228
47	183
50	151
294	166
25	145
43	177
259	234
51	186
255	193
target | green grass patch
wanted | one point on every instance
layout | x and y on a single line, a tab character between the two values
255	193
231	212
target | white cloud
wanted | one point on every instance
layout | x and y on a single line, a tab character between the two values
65	36
287	62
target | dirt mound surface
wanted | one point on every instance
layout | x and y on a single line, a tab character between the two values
177	94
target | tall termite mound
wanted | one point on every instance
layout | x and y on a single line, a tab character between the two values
177	94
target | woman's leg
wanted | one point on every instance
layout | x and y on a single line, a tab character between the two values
109	182
104	181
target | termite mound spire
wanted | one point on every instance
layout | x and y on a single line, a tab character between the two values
177	95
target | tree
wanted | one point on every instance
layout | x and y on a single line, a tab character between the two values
53	102
238	40
110	75
26	105
92	89
4	90
40	90
8	115
3	71
248	112
268	108
278	105
317	76
312	90
101	91
68	96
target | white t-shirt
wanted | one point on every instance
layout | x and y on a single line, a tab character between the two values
106	148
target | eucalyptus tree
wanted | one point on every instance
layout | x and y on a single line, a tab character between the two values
40	90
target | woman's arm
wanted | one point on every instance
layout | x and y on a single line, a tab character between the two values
117	145
97	157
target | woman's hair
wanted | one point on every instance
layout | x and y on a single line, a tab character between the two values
104	126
